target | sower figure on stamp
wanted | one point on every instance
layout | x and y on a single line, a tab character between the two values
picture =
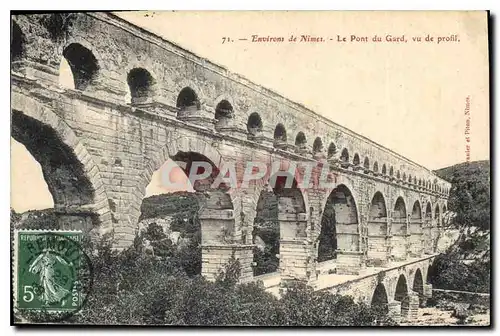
44	266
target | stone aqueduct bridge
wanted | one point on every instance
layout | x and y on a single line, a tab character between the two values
139	100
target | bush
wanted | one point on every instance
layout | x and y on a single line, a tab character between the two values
266	260
450	272
134	288
186	256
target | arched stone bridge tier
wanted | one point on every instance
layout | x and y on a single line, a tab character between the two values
138	100
400	289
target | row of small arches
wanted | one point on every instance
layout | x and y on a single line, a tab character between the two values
300	142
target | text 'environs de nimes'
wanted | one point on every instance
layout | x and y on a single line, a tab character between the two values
306	38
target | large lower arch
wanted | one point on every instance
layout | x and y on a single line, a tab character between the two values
436	228
294	260
377	252
73	179
339	224
416	231
339	234
399	231
427	229
266	234
219	215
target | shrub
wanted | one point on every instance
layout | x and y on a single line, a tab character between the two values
134	288
450	272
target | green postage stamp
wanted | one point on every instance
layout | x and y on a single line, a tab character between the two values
48	270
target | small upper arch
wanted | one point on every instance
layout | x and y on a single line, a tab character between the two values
188	99
317	145
141	84
355	160
300	140
280	133
332	150
366	163
82	64
224	112
344	155
254	124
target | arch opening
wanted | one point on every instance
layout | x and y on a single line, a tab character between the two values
17	43
401	289
416	230
300	140
355	160
384	169
317	145
380	300
332	150
279	135
437	215
141	85
29	190
377	230
399	230
187	100
223	114
378	211
83	65
266	234
283	204
418	286
175	211
428	213
339	225
399	215
402	295
366	164
344	156
254	124
65	175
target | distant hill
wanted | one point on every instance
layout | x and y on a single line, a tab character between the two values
481	168
176	203
470	193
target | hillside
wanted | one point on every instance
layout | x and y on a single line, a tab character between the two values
470	196
181	202
480	168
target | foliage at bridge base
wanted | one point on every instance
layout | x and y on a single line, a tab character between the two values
138	288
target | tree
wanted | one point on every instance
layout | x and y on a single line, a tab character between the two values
470	194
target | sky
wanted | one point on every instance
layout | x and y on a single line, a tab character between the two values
409	97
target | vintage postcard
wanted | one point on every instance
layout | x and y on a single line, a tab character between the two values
252	168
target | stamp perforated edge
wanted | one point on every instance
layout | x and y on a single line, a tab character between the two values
15	259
